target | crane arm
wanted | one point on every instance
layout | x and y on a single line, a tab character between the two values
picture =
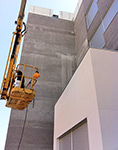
12	59
22	9
18	97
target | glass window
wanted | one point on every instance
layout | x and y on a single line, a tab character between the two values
76	139
111	14
98	40
91	13
80	138
65	142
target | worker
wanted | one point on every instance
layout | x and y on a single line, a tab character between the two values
19	78
36	75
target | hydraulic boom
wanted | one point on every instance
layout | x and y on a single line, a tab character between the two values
15	49
10	74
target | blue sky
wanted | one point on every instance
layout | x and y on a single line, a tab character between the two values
8	14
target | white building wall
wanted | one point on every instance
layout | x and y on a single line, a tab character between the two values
105	68
92	94
78	102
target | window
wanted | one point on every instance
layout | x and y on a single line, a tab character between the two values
76	139
91	13
97	40
111	14
80	138
65	142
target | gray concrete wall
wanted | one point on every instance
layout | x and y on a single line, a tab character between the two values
103	7
80	28
111	35
84	35
49	45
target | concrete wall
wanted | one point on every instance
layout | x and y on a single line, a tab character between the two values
48	45
103	7
80	28
91	94
111	35
55	46
83	35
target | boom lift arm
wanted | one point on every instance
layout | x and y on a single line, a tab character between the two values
9	74
15	50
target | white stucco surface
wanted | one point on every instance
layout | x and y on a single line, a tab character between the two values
105	69
92	94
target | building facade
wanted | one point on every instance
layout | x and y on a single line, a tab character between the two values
88	104
57	46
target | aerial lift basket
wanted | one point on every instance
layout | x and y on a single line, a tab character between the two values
18	97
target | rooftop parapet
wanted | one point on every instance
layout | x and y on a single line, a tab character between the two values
49	13
66	15
41	11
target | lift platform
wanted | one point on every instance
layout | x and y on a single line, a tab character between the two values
13	90
18	97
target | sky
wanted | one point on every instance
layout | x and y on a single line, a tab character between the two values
9	10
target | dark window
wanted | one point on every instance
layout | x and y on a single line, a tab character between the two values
76	138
